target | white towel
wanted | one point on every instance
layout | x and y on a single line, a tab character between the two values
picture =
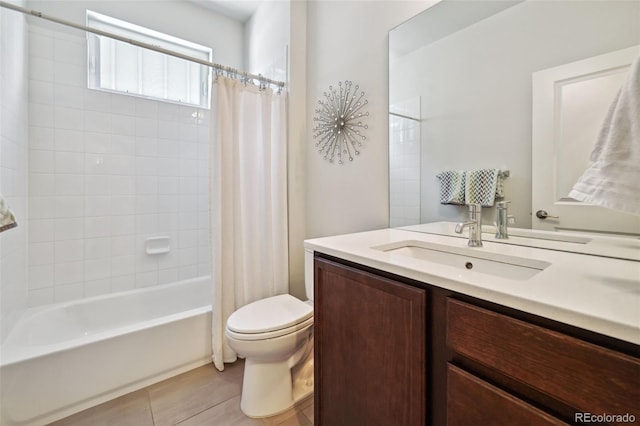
451	187
483	186
612	179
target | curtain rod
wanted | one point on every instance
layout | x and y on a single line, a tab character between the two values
140	44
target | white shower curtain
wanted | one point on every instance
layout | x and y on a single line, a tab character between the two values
248	201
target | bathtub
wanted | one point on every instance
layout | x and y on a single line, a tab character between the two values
64	358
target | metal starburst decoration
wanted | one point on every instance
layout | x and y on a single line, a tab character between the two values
339	121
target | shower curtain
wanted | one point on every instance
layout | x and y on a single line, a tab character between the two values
248	201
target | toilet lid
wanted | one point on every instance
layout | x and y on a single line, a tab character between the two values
270	314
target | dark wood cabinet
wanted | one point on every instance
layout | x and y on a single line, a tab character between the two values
369	333
392	351
472	401
554	366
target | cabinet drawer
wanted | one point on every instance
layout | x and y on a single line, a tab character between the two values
584	376
472	401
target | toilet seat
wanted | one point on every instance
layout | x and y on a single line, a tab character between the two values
268	318
269	334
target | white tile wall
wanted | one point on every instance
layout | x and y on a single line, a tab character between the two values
14	155
106	172
404	171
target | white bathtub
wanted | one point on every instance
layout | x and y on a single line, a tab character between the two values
61	359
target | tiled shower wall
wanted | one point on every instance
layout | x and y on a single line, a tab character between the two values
107	171
13	164
404	163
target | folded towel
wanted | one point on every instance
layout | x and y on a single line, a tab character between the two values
451	187
483	186
613	175
7	220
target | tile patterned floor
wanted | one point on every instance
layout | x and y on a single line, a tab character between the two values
200	397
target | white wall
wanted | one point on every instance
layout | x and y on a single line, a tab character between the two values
476	89
348	40
267	37
331	41
13	165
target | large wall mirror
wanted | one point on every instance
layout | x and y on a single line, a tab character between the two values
461	97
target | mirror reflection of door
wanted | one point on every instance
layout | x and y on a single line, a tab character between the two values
569	105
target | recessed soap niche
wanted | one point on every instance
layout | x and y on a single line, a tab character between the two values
157	245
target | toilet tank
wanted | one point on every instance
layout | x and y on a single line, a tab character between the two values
308	273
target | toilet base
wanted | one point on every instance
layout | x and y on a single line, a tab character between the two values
302	377
271	388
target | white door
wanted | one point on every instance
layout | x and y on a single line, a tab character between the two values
569	105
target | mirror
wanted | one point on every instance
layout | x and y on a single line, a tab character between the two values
460	92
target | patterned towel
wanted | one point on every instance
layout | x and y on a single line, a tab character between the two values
483	187
452	187
7	220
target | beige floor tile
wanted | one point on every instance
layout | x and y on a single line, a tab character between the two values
297	420
293	416
195	391
227	413
200	397
129	410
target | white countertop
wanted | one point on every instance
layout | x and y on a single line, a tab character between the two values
596	293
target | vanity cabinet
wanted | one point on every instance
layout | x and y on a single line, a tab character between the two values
393	351
369	331
472	401
562	373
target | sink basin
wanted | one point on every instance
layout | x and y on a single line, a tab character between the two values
468	260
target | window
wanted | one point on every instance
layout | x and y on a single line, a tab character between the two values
124	68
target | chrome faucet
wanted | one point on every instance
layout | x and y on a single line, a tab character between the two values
474	224
503	219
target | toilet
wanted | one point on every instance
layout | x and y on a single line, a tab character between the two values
275	336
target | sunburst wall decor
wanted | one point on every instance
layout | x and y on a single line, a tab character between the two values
339	121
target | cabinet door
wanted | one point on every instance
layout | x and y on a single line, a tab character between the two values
369	349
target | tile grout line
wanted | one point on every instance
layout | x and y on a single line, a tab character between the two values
202	411
153	417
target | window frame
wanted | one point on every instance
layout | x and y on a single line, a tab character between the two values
98	45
